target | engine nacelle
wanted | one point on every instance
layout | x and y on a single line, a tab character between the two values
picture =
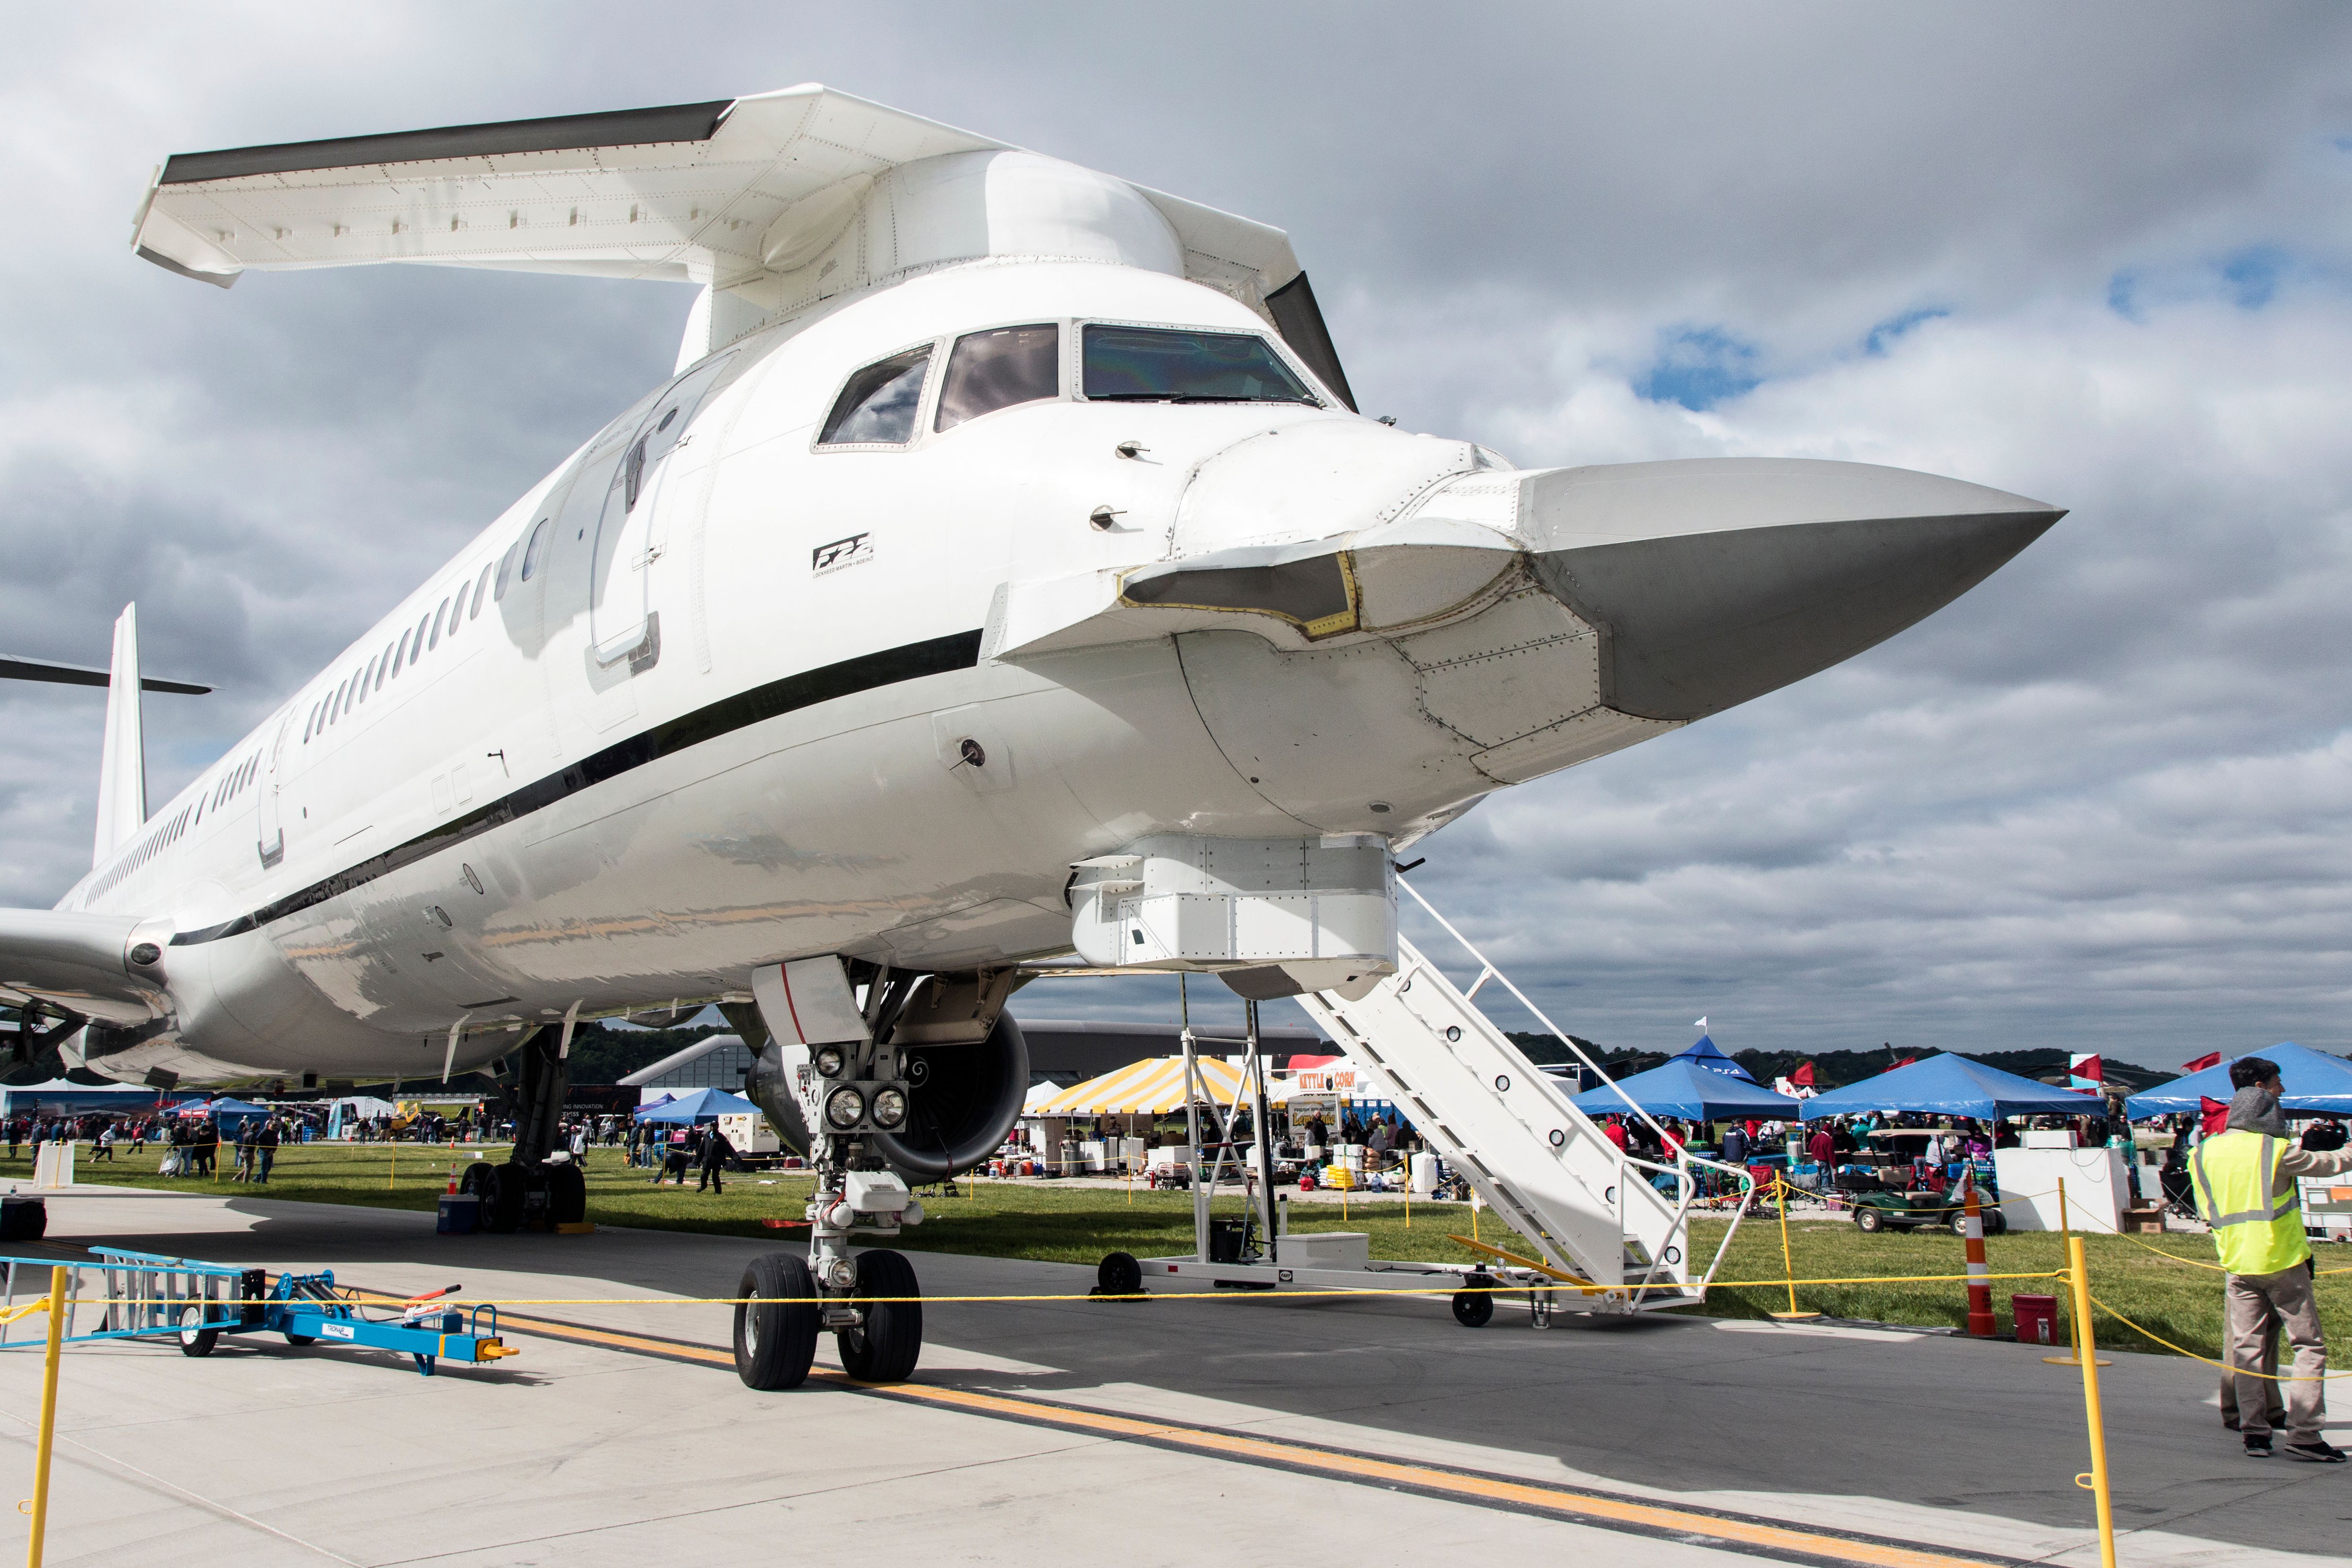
962	1102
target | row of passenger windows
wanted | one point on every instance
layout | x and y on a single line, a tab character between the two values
235	782
1006	366
425	637
143	853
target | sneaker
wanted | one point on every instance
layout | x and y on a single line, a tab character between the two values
2318	1452
2259	1448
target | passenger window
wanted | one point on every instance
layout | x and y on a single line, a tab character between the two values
877	407
384	668
439	616
536	551
993	369
416	649
401	657
505	569
481	588
367	682
458	614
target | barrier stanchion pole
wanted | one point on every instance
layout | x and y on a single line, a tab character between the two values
1788	1260
47	1442
2085	1347
2067	1236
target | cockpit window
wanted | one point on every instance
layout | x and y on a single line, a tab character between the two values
1147	364
877	407
993	369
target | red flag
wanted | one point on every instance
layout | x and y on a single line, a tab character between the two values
1905	1062
1803	1076
2213	1114
2211	1058
2088	1067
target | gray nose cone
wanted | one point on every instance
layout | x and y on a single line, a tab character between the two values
1716	580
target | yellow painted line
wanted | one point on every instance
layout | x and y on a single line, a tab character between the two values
1623	1513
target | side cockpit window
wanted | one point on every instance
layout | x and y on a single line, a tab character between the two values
877	407
997	368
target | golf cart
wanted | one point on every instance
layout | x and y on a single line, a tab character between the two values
1895	1201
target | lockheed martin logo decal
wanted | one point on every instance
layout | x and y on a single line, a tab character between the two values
840	553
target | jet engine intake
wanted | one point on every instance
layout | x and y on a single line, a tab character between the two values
962	1102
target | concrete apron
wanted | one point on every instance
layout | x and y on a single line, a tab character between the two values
1064	1430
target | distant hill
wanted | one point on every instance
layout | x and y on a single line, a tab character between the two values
603	1053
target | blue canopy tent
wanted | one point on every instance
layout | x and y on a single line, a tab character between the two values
1684	1087
698	1105
2314	1081
1953	1086
1704	1053
229	1115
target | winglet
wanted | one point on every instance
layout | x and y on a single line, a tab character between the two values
122	766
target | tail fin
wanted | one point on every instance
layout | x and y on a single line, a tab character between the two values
122	767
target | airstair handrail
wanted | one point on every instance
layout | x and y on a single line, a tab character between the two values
1685	1183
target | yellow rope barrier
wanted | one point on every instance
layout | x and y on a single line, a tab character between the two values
2225	1366
1435	1284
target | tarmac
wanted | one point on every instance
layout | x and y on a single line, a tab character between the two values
1242	1430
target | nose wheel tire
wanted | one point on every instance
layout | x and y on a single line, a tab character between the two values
886	1347
776	1325
195	1340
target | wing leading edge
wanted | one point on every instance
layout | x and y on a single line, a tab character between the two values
750	198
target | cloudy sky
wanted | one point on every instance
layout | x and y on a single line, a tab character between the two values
2099	255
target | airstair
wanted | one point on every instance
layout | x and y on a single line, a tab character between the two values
1588	1211
1602	1230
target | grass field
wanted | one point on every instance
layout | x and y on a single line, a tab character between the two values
2152	1280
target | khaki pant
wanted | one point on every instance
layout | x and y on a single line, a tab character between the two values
2257	1307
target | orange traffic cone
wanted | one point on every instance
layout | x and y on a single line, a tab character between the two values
1981	1323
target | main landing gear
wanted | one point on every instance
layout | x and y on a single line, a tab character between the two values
537	1189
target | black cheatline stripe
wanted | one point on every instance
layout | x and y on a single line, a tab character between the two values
938	656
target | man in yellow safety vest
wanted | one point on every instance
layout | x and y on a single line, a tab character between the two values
2247	1188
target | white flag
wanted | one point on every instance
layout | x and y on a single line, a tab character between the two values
1701	1024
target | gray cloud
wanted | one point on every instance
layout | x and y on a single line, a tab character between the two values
2098	255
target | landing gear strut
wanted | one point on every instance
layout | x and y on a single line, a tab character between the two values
529	1192
845	1099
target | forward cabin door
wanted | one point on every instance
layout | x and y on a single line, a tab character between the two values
623	616
270	834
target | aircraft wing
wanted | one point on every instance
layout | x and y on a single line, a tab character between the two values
705	193
84	963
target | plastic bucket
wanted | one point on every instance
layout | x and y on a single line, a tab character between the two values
2037	1318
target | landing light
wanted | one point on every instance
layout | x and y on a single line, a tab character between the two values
828	1062
889	1107
844	1107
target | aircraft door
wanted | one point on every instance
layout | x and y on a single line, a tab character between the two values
269	839
621	601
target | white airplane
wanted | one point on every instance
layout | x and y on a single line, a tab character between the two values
1004	572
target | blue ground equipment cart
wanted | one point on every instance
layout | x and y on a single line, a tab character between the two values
143	1295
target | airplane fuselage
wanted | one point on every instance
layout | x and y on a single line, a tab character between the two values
625	833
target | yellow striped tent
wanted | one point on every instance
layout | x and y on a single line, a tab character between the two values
1151	1088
